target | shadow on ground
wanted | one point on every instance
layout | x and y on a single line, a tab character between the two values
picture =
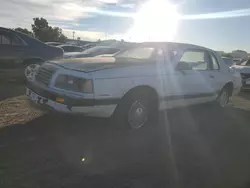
195	147
8	90
245	95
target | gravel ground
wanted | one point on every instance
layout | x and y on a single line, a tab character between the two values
14	108
191	147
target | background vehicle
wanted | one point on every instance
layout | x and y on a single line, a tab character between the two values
229	61
53	43
133	84
76	42
89	45
19	51
71	48
244	69
91	52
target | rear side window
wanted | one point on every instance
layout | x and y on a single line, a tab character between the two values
76	49
215	64
195	59
16	40
7	38
66	49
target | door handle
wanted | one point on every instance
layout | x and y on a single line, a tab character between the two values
211	76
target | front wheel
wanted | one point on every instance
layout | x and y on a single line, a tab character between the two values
30	71
223	98
136	110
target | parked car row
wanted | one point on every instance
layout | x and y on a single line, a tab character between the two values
241	66
25	54
21	52
135	83
244	69
121	80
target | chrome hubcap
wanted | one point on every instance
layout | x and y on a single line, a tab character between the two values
30	71
223	99
137	115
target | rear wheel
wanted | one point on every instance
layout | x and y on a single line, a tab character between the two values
136	110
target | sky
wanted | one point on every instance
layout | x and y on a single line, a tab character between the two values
217	24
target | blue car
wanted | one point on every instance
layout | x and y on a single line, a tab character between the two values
21	52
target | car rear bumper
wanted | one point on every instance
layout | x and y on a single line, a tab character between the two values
70	106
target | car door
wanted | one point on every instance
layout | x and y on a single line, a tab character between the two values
187	81
12	50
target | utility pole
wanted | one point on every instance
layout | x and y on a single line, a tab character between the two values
74	35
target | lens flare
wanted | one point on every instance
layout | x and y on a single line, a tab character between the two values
157	20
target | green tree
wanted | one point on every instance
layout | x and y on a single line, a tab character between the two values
46	33
24	30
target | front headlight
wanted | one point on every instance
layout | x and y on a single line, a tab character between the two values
73	83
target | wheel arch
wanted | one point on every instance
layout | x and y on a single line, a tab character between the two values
141	89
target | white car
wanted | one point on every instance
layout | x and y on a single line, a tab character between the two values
135	83
244	69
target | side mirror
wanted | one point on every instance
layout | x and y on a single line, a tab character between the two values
183	66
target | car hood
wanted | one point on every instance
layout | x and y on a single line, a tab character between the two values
71	54
241	69
86	64
77	54
96	63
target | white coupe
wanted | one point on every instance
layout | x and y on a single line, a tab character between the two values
135	83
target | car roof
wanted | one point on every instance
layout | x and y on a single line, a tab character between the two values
53	42
3	28
69	45
175	44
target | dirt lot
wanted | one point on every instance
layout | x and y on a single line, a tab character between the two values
196	147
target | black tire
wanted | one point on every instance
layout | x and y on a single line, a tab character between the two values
149	106
218	101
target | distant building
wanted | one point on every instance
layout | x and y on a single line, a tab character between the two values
239	54
220	52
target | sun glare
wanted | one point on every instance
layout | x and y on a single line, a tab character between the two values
157	20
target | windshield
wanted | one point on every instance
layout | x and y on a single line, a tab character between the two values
100	50
137	53
96	49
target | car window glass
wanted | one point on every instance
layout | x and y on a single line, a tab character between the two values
137	53
195	59
228	61
248	63
111	51
215	63
76	49
5	39
16	41
96	49
66	48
